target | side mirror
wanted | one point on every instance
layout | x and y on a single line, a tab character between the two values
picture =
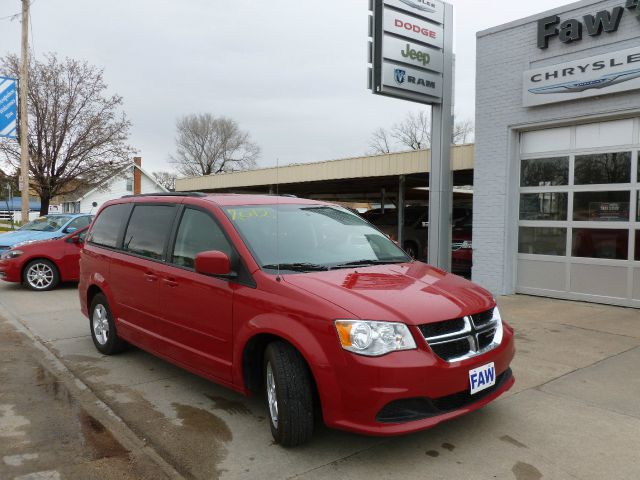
77	240
213	263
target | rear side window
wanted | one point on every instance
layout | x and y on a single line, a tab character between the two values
198	232
79	223
106	229
148	230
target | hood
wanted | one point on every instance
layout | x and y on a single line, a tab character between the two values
12	238
412	293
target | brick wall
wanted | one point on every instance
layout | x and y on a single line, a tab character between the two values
503	54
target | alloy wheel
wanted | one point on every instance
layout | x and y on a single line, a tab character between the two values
100	324
272	399
40	276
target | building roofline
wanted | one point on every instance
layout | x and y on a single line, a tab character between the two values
538	16
120	172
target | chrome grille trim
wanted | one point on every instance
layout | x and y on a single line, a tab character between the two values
471	332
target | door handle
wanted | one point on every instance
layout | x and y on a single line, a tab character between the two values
151	277
170	282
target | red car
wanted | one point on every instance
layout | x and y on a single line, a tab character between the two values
42	265
302	300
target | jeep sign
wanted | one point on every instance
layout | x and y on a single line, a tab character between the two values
412	53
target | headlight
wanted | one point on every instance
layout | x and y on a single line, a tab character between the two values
374	339
497	338
466	245
11	254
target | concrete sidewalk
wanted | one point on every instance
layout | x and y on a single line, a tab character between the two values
573	413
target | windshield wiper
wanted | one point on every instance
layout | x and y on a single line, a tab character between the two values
298	267
366	263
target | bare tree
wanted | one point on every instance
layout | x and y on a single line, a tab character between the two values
380	142
77	133
166	179
463	132
208	145
414	131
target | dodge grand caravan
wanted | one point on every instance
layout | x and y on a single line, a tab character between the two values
302	300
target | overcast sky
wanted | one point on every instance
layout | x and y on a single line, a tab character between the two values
292	72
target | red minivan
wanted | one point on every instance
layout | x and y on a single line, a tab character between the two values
299	299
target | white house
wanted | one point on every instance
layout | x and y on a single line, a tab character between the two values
132	180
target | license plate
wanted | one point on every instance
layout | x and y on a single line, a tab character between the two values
482	378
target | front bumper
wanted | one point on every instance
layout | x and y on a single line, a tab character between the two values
10	271
427	390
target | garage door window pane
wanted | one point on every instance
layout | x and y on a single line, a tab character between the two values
601	206
543	241
545	172
543	206
596	243
637	245
603	168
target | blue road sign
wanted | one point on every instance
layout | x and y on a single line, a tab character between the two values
8	107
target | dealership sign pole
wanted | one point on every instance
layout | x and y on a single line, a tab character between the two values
412	59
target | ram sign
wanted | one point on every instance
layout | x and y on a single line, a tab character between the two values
8	107
408	50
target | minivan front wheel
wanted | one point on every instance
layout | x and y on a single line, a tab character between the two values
103	329
288	393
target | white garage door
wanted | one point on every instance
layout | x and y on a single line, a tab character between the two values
579	227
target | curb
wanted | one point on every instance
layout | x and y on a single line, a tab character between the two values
88	400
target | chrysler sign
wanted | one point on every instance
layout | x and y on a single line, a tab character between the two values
600	75
430	9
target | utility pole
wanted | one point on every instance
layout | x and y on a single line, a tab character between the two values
24	123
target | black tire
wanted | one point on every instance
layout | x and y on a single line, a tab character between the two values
41	275
411	249
293	392
107	343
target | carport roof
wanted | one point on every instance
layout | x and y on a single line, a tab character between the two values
375	169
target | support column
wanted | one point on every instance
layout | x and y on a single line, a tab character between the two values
441	177
401	202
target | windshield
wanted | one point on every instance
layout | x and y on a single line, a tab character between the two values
309	237
48	223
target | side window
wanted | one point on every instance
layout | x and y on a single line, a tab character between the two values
148	230
78	223
82	236
198	232
107	227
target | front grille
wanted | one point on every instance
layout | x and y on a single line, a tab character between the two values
442	328
453	349
462	338
412	409
481	319
455	246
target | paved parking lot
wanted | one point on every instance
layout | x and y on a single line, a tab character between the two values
573	413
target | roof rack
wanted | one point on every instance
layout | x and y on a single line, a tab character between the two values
168	194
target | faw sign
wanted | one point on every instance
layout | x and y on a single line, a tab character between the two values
574	29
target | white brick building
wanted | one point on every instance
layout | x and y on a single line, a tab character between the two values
556	207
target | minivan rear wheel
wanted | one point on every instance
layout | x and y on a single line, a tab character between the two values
288	393
103	329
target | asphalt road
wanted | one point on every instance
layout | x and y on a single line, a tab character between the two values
574	412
